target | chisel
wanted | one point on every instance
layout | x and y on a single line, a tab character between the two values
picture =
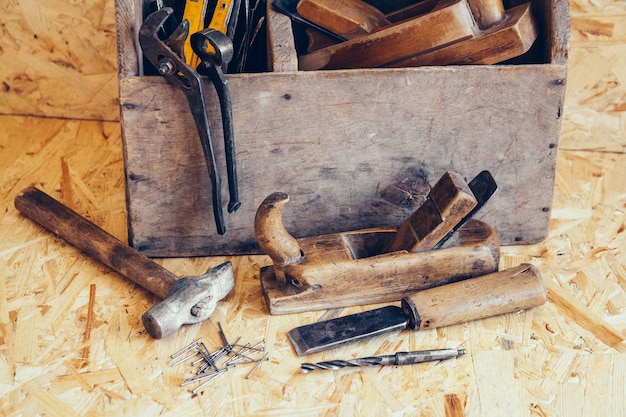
514	289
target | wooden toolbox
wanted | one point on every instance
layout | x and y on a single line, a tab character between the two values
351	147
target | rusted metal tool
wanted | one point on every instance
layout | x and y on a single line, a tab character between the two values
167	56
379	264
514	289
211	64
187	300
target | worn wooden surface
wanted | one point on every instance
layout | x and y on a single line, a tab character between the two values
329	275
489	36
281	48
347	146
563	359
58	59
342	175
348	19
511	38
450	21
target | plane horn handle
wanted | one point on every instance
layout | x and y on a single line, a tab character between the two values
272	237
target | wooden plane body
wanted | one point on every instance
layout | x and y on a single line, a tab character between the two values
510	38
438	244
348	269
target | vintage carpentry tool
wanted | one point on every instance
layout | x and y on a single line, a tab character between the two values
449	21
214	52
353	18
327	28
211	65
347	18
187	300
288	8
477	32
502	35
167	56
514	289
399	358
355	268
450	203
333	18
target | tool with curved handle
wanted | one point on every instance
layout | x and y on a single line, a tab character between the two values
362	267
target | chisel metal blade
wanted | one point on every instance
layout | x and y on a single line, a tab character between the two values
333	333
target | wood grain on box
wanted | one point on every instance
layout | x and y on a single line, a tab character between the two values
342	143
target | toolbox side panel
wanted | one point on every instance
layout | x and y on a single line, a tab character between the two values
346	146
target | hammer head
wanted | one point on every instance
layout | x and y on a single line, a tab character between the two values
190	300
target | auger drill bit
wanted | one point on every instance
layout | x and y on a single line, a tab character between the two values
400	358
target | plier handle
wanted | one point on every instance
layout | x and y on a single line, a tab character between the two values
167	56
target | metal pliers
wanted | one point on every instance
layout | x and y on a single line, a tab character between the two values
167	56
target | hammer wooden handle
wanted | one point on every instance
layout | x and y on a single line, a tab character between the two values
94	241
507	291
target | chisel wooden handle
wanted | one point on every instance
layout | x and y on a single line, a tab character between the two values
513	289
94	241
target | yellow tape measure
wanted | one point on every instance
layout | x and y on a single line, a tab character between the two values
194	12
221	15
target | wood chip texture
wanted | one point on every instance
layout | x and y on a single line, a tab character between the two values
566	358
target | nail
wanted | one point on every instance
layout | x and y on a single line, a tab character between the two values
257	365
186	349
195	390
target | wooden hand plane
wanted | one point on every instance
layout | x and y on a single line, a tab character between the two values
450	32
378	265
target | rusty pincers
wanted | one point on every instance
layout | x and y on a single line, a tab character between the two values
167	56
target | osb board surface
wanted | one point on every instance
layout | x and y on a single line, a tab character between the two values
551	361
58	59
347	158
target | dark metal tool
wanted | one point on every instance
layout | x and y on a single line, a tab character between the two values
513	289
212	65
167	56
400	358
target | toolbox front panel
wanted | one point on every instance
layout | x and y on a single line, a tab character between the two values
346	146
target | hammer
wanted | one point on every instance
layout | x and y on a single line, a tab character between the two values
187	300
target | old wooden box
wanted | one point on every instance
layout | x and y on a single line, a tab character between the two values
350	146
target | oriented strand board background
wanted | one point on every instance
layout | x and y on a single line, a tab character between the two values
564	359
58	59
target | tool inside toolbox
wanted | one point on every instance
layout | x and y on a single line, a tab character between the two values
365	34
